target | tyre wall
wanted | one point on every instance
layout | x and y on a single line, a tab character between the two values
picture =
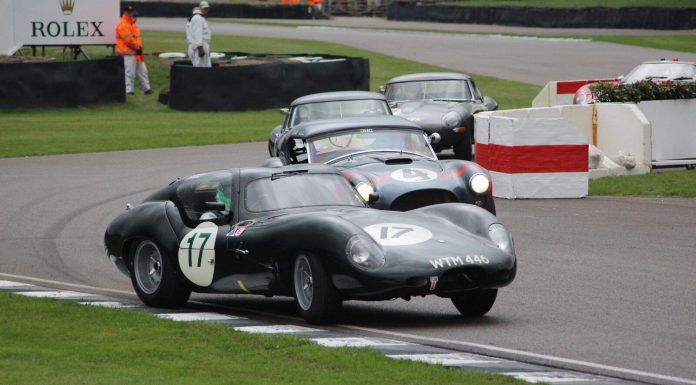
62	84
241	11
262	86
596	17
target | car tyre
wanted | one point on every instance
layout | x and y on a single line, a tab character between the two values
316	299
463	149
475	303
154	277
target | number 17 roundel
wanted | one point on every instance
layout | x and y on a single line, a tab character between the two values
197	254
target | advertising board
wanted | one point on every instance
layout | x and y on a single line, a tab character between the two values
65	22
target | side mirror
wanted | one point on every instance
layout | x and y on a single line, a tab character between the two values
490	103
620	77
382	88
285	111
434	138
218	206
374	197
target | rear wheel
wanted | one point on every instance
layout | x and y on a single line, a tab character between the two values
154	277
316	299
475	303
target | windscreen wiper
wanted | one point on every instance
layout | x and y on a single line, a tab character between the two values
288	173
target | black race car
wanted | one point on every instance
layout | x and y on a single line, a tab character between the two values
389	156
303	231
440	102
329	105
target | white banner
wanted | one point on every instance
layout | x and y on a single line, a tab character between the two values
65	22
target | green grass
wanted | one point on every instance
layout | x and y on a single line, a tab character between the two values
46	341
667	184
680	43
574	3
142	122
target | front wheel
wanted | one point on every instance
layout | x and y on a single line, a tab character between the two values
316	299
475	303
155	279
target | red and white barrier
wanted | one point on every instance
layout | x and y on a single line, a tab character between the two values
561	92
532	157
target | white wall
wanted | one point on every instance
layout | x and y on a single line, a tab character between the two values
623	128
673	130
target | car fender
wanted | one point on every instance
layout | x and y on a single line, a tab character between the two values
469	217
151	220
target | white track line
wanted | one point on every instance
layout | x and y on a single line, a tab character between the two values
546	358
550	360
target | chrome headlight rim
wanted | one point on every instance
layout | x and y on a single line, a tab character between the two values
364	253
452	119
364	190
502	238
479	183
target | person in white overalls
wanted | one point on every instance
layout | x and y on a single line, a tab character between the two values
198	36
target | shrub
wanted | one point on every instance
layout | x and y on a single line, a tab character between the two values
642	91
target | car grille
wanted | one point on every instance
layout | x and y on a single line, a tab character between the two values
422	198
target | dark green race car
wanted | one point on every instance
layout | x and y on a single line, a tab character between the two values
303	231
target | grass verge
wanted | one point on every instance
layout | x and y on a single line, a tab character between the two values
667	184
46	341
142	122
679	43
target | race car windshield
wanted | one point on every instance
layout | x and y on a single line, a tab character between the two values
323	149
338	109
658	71
454	90
291	190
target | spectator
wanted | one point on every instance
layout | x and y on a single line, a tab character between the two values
198	36
129	46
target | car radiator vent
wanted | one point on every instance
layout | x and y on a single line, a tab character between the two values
398	161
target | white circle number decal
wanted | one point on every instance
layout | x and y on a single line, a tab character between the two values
398	234
414	175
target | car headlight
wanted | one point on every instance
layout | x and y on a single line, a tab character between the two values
365	189
502	238
479	183
364	253
452	119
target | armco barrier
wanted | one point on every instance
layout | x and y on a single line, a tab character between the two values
256	87
594	17
532	157
168	9
62	84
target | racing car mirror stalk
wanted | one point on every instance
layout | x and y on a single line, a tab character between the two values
285	111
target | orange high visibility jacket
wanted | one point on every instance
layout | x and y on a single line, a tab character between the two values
126	43
138	43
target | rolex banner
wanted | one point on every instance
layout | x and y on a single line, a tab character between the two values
65	22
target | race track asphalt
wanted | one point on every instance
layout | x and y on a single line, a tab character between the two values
528	60
603	280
